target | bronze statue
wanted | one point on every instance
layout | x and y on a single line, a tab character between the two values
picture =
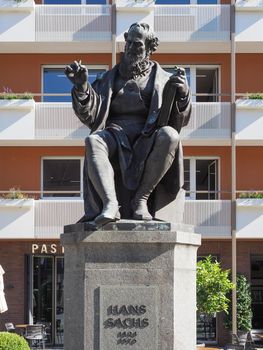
135	112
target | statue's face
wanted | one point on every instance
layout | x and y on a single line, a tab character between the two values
135	45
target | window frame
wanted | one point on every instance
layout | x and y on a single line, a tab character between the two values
57	196
193	68
62	66
192	175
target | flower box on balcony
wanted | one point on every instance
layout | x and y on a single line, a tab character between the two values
250	202
249	5
13	5
249	103
17	104
249	220
135	5
16	203
17	119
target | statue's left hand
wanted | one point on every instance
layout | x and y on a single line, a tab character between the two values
180	83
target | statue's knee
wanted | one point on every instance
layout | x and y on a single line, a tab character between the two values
168	135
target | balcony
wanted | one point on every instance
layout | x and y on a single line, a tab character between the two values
210	124
56	124
45	218
210	218
249	22
249	122
249	218
59	28
189	28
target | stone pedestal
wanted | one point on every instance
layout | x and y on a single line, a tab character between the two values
130	285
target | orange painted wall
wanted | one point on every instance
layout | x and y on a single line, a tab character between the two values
21	166
249	168
23	72
249	72
224	153
26	68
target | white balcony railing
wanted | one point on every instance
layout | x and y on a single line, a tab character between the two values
73	23
209	120
51	215
211	218
58	121
192	23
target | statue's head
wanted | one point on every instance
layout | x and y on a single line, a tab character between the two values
140	41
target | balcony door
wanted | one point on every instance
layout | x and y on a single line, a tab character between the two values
47	295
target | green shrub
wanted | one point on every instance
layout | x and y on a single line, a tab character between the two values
12	341
244	312
213	286
13	96
256	96
251	195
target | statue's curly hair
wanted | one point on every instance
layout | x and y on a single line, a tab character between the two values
151	41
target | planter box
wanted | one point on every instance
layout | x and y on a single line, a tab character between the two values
17	119
249	121
249	217
17	104
16	203
14	6
17	21
249	5
17	218
132	5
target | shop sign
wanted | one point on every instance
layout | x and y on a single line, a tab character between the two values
47	248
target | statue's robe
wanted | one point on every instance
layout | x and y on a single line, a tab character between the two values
93	108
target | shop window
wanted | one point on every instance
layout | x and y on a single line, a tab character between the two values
56	82
201	178
257	291
203	81
61	175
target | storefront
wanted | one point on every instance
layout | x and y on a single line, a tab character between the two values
34	285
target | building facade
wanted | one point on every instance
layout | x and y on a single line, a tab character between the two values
220	44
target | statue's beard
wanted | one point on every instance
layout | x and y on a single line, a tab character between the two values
134	65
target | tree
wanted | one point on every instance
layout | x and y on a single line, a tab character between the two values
213	287
244	312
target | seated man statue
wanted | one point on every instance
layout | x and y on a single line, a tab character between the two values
135	112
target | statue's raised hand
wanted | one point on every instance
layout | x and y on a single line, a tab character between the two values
78	75
179	81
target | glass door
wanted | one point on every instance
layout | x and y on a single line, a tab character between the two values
47	296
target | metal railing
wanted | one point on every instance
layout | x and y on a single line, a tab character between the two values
209	120
73	23
192	22
58	121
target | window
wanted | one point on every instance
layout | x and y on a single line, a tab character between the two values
62	174
202	80
55	82
201	175
74	2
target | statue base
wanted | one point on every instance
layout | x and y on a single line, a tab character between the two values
132	284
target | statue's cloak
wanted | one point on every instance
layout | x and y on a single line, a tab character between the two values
93	107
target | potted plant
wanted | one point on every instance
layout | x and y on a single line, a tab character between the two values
12	341
244	312
16	198
212	287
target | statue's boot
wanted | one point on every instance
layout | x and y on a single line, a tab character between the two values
101	174
158	163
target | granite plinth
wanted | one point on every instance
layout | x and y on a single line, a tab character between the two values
130	287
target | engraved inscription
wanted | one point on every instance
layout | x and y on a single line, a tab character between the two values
123	321
128	317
